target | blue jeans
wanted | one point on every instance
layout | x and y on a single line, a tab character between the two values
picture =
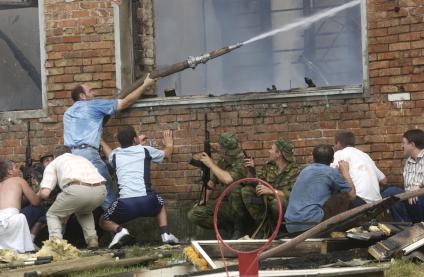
93	156
402	211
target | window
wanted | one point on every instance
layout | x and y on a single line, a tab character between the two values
329	52
20	70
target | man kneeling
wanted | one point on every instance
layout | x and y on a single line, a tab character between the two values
314	186
14	230
132	163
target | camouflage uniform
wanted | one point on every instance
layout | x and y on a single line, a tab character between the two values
232	207
282	181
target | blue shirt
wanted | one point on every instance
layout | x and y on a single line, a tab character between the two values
82	122
314	186
133	168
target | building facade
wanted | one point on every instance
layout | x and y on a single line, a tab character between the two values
109	46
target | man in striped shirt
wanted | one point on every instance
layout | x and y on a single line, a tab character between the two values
413	176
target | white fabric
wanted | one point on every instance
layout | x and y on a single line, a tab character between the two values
363	171
14	231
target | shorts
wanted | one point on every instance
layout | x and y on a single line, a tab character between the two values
126	209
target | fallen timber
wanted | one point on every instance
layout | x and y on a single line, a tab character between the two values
309	246
342	221
63	268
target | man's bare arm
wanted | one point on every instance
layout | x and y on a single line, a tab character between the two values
135	94
105	148
29	193
44	193
344	170
222	175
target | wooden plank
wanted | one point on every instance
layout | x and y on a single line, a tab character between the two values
385	249
202	252
80	264
323	246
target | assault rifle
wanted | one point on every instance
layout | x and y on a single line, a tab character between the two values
27	169
206	173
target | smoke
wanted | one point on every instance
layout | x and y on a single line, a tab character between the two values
328	51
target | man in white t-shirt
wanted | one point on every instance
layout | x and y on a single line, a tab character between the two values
132	162
365	175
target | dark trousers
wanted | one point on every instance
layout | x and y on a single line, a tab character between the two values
402	211
34	214
358	201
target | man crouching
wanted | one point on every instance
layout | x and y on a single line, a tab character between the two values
83	190
132	162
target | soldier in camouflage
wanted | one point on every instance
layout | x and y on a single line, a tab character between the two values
280	172
229	168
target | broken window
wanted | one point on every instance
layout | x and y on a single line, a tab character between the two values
327	52
20	70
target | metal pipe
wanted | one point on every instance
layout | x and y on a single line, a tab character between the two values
190	62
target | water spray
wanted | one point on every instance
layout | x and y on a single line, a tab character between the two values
305	22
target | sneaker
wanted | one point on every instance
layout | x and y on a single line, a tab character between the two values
169	239
120	239
92	244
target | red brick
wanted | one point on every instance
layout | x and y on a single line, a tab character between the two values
400	46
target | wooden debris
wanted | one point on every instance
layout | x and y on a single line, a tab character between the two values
392	246
211	248
79	264
343	220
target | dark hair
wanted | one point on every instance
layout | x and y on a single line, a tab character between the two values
4	168
416	136
126	136
75	93
345	138
60	150
323	154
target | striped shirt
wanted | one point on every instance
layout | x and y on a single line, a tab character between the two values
413	172
68	168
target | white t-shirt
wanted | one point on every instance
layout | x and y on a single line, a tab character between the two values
133	169
363	171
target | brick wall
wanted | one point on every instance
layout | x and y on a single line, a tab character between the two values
80	48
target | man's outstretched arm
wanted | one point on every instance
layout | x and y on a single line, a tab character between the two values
135	94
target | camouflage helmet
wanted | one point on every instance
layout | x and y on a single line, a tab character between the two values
230	144
286	148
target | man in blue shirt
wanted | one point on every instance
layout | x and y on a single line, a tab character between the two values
132	163
82	125
313	187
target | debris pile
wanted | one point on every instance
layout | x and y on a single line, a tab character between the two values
193	257
59	249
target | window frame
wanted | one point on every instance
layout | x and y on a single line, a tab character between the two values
43	111
352	91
